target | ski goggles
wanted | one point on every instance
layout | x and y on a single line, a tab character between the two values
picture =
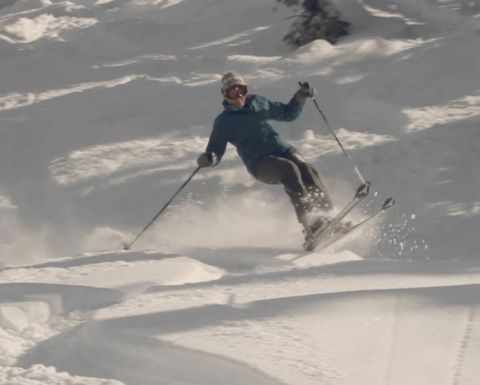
236	91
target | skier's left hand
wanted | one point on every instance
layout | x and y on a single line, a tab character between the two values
306	91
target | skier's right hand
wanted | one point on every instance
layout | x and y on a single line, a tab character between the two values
205	160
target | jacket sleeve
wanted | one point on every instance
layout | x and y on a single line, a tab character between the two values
284	112
217	144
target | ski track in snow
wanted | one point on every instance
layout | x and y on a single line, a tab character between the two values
463	346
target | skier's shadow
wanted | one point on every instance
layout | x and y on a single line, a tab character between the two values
244	259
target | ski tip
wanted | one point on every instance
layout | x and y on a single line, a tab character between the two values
363	190
390	202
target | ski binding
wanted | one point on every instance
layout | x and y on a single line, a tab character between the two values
333	231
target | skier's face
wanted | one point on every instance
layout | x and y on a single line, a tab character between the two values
236	95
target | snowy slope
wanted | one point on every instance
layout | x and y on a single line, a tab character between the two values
104	106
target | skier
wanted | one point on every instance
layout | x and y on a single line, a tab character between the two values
245	124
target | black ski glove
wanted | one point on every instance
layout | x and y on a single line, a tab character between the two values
206	159
306	91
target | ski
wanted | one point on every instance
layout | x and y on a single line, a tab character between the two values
337	236
314	239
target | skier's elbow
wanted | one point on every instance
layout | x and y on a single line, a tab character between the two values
290	117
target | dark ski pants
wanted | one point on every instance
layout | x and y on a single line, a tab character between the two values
300	180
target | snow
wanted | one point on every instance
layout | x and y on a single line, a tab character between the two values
104	106
43	26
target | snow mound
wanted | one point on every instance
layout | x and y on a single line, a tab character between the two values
27	30
170	271
110	270
19	316
22	324
322	259
41	375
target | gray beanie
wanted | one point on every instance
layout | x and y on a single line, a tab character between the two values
232	79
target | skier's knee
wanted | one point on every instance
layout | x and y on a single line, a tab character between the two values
291	177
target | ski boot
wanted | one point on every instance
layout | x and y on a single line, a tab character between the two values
316	225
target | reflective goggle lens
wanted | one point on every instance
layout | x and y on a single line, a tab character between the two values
235	91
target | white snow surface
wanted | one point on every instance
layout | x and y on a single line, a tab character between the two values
104	106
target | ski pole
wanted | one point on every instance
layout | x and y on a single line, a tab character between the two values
359	174
128	246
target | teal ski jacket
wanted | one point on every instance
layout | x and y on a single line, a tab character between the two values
250	131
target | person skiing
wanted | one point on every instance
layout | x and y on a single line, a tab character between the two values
245	123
